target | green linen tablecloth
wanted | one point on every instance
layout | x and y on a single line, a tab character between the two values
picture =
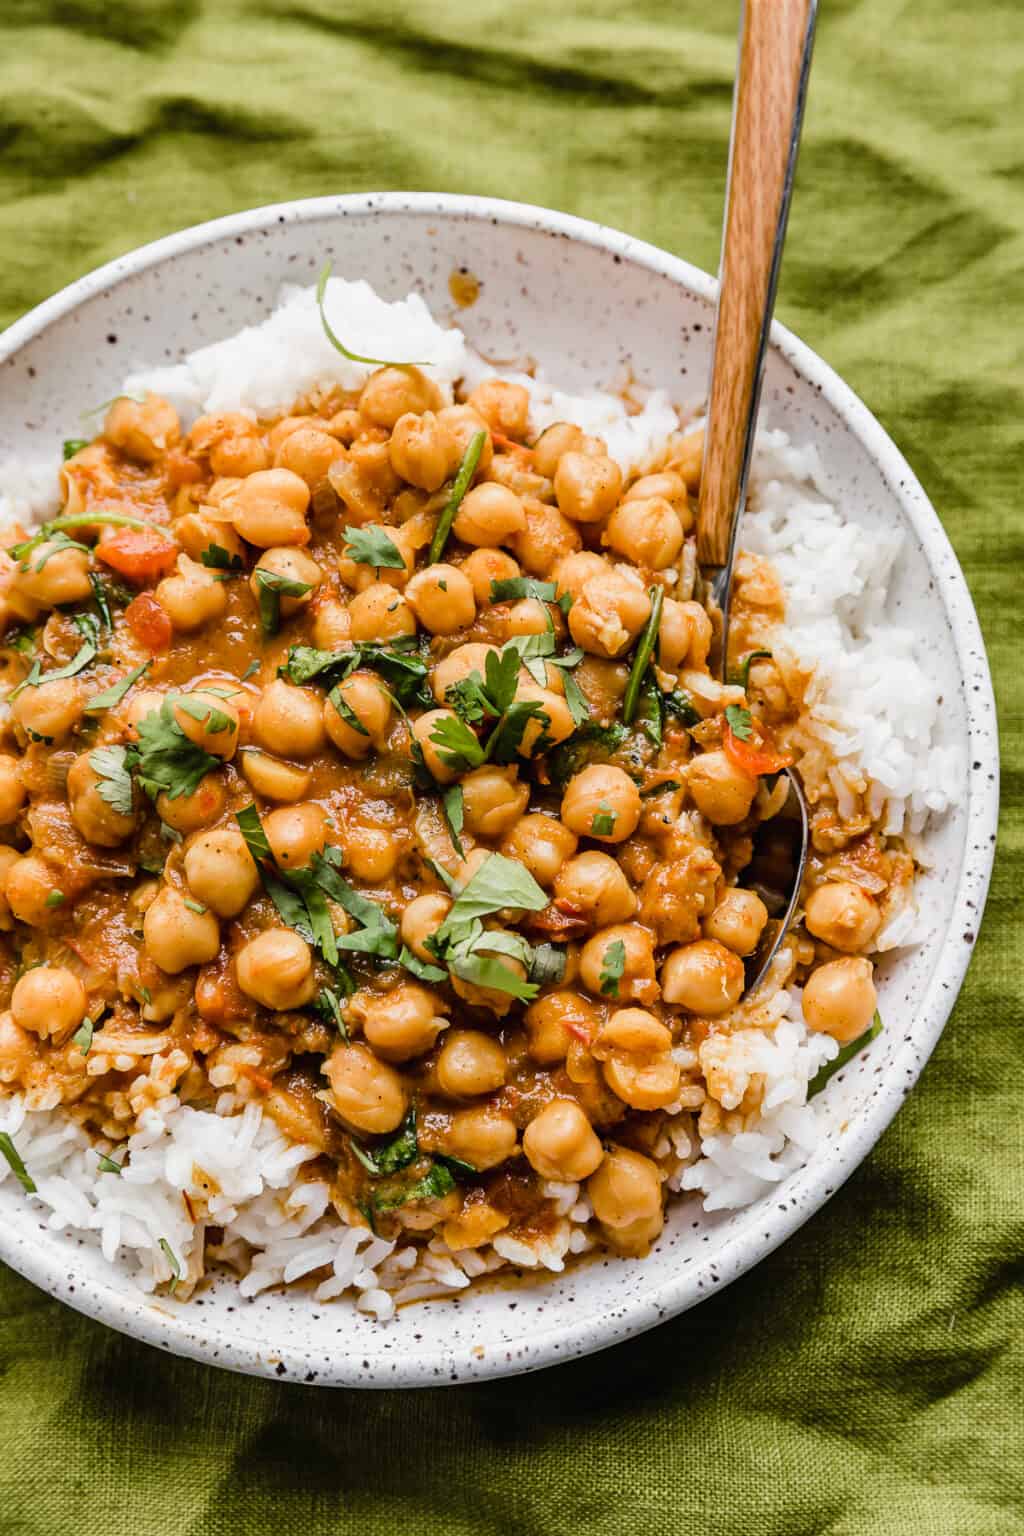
868	1379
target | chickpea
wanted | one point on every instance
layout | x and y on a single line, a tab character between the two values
293	565
289	720
493	800
548	537
647	532
541	844
490	514
840	999
48	1000
481	1137
191	597
286	426
391	393
505	407
645	1083
704	977
404	1023
332	627
366	1093
528	617
421	919
421	450
364	699
587	487
53	575
9	857
27	884
97	821
18	1050
143	429
485	566
842	915
231	441
380	613
372	853
295	833
308	452
572	572
634	1030
463	423
601	802
273	779
560	1143
12	790
442	599
554	724
688	458
497	999
668	485
209	721
610	612
220	871
625	1191
458	664
596	886
675	635
737	921
175	936
50	711
721	791
423	729
269	509
197	532
470	1063
276	969
554	1021
189	813
637	982
561	437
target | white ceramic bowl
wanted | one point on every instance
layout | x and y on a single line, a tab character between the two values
583	301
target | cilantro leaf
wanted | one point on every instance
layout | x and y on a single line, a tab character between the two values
251	828
217	558
337	343
457	747
575	700
649	711
89	626
83	1035
603	821
591	743
345	712
328	1006
171	1257
394	1155
372	545
547	964
270	589
483	970
452	803
613	964
498	883
740	721
107	1164
420	968
112	766
73	445
642	655
168	763
434	1185
115	693
506	740
512	588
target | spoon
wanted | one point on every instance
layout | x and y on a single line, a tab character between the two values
776	37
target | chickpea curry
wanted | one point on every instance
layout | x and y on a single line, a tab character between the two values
368	761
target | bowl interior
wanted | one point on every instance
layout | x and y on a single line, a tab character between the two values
589	306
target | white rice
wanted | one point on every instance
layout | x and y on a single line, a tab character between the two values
869	703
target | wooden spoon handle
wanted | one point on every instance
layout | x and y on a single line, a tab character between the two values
775	55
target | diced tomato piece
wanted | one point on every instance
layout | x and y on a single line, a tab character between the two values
149	623
137	554
754	757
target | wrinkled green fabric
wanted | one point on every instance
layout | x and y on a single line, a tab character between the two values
867	1379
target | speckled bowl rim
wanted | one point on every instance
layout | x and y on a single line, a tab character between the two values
807	1190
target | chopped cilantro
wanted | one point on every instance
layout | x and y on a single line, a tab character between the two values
603	821
112	766
217	558
115	693
820	1078
452	803
271	587
463	480
73	445
17	1167
55	899
740	721
613	964
373	545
